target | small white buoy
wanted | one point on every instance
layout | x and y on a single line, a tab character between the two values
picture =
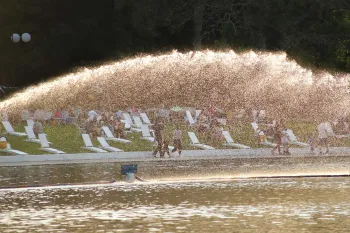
15	38
26	37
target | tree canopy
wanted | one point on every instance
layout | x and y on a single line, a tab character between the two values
67	34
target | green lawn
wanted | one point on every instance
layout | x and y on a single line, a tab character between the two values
68	139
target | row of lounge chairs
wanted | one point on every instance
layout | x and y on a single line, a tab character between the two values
104	146
135	124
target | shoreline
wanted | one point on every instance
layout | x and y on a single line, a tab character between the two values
146	156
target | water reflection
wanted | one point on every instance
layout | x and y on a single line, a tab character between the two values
175	170
274	205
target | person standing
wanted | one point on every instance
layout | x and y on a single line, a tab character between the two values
277	136
177	140
165	147
311	140
158	128
324	130
285	143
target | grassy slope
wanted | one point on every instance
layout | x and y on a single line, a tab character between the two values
68	139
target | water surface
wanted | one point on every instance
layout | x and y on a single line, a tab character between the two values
179	196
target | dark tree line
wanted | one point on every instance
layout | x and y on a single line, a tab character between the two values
67	34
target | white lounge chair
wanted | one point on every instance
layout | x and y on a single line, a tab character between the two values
11	131
89	146
104	145
294	140
127	126
145	118
196	143
146	134
129	121
198	112
31	135
138	122
13	152
230	142
109	136
127	118
46	147
189	117
30	122
262	137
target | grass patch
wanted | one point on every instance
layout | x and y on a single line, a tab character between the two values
68	139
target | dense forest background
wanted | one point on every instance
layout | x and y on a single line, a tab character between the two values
73	33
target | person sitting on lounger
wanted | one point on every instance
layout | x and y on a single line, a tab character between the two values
89	127
37	128
3	142
119	129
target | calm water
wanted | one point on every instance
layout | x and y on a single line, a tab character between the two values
205	204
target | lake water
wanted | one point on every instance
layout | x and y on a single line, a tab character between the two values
176	203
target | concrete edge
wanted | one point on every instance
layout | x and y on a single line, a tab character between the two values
140	156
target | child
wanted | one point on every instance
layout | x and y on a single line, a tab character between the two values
312	143
277	136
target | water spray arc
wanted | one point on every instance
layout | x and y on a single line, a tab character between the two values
225	79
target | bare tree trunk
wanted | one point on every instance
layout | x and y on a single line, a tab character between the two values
198	23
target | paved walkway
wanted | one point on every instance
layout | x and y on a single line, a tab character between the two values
21	160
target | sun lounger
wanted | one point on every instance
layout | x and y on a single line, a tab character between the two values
198	112
109	136
145	118
293	139
196	143
30	122
11	131
255	126
137	121
231	143
189	117
46	147
127	118
13	152
31	135
89	146
127	126
104	145
146	134
9	150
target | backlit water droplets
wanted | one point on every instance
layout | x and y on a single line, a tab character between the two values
225	79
